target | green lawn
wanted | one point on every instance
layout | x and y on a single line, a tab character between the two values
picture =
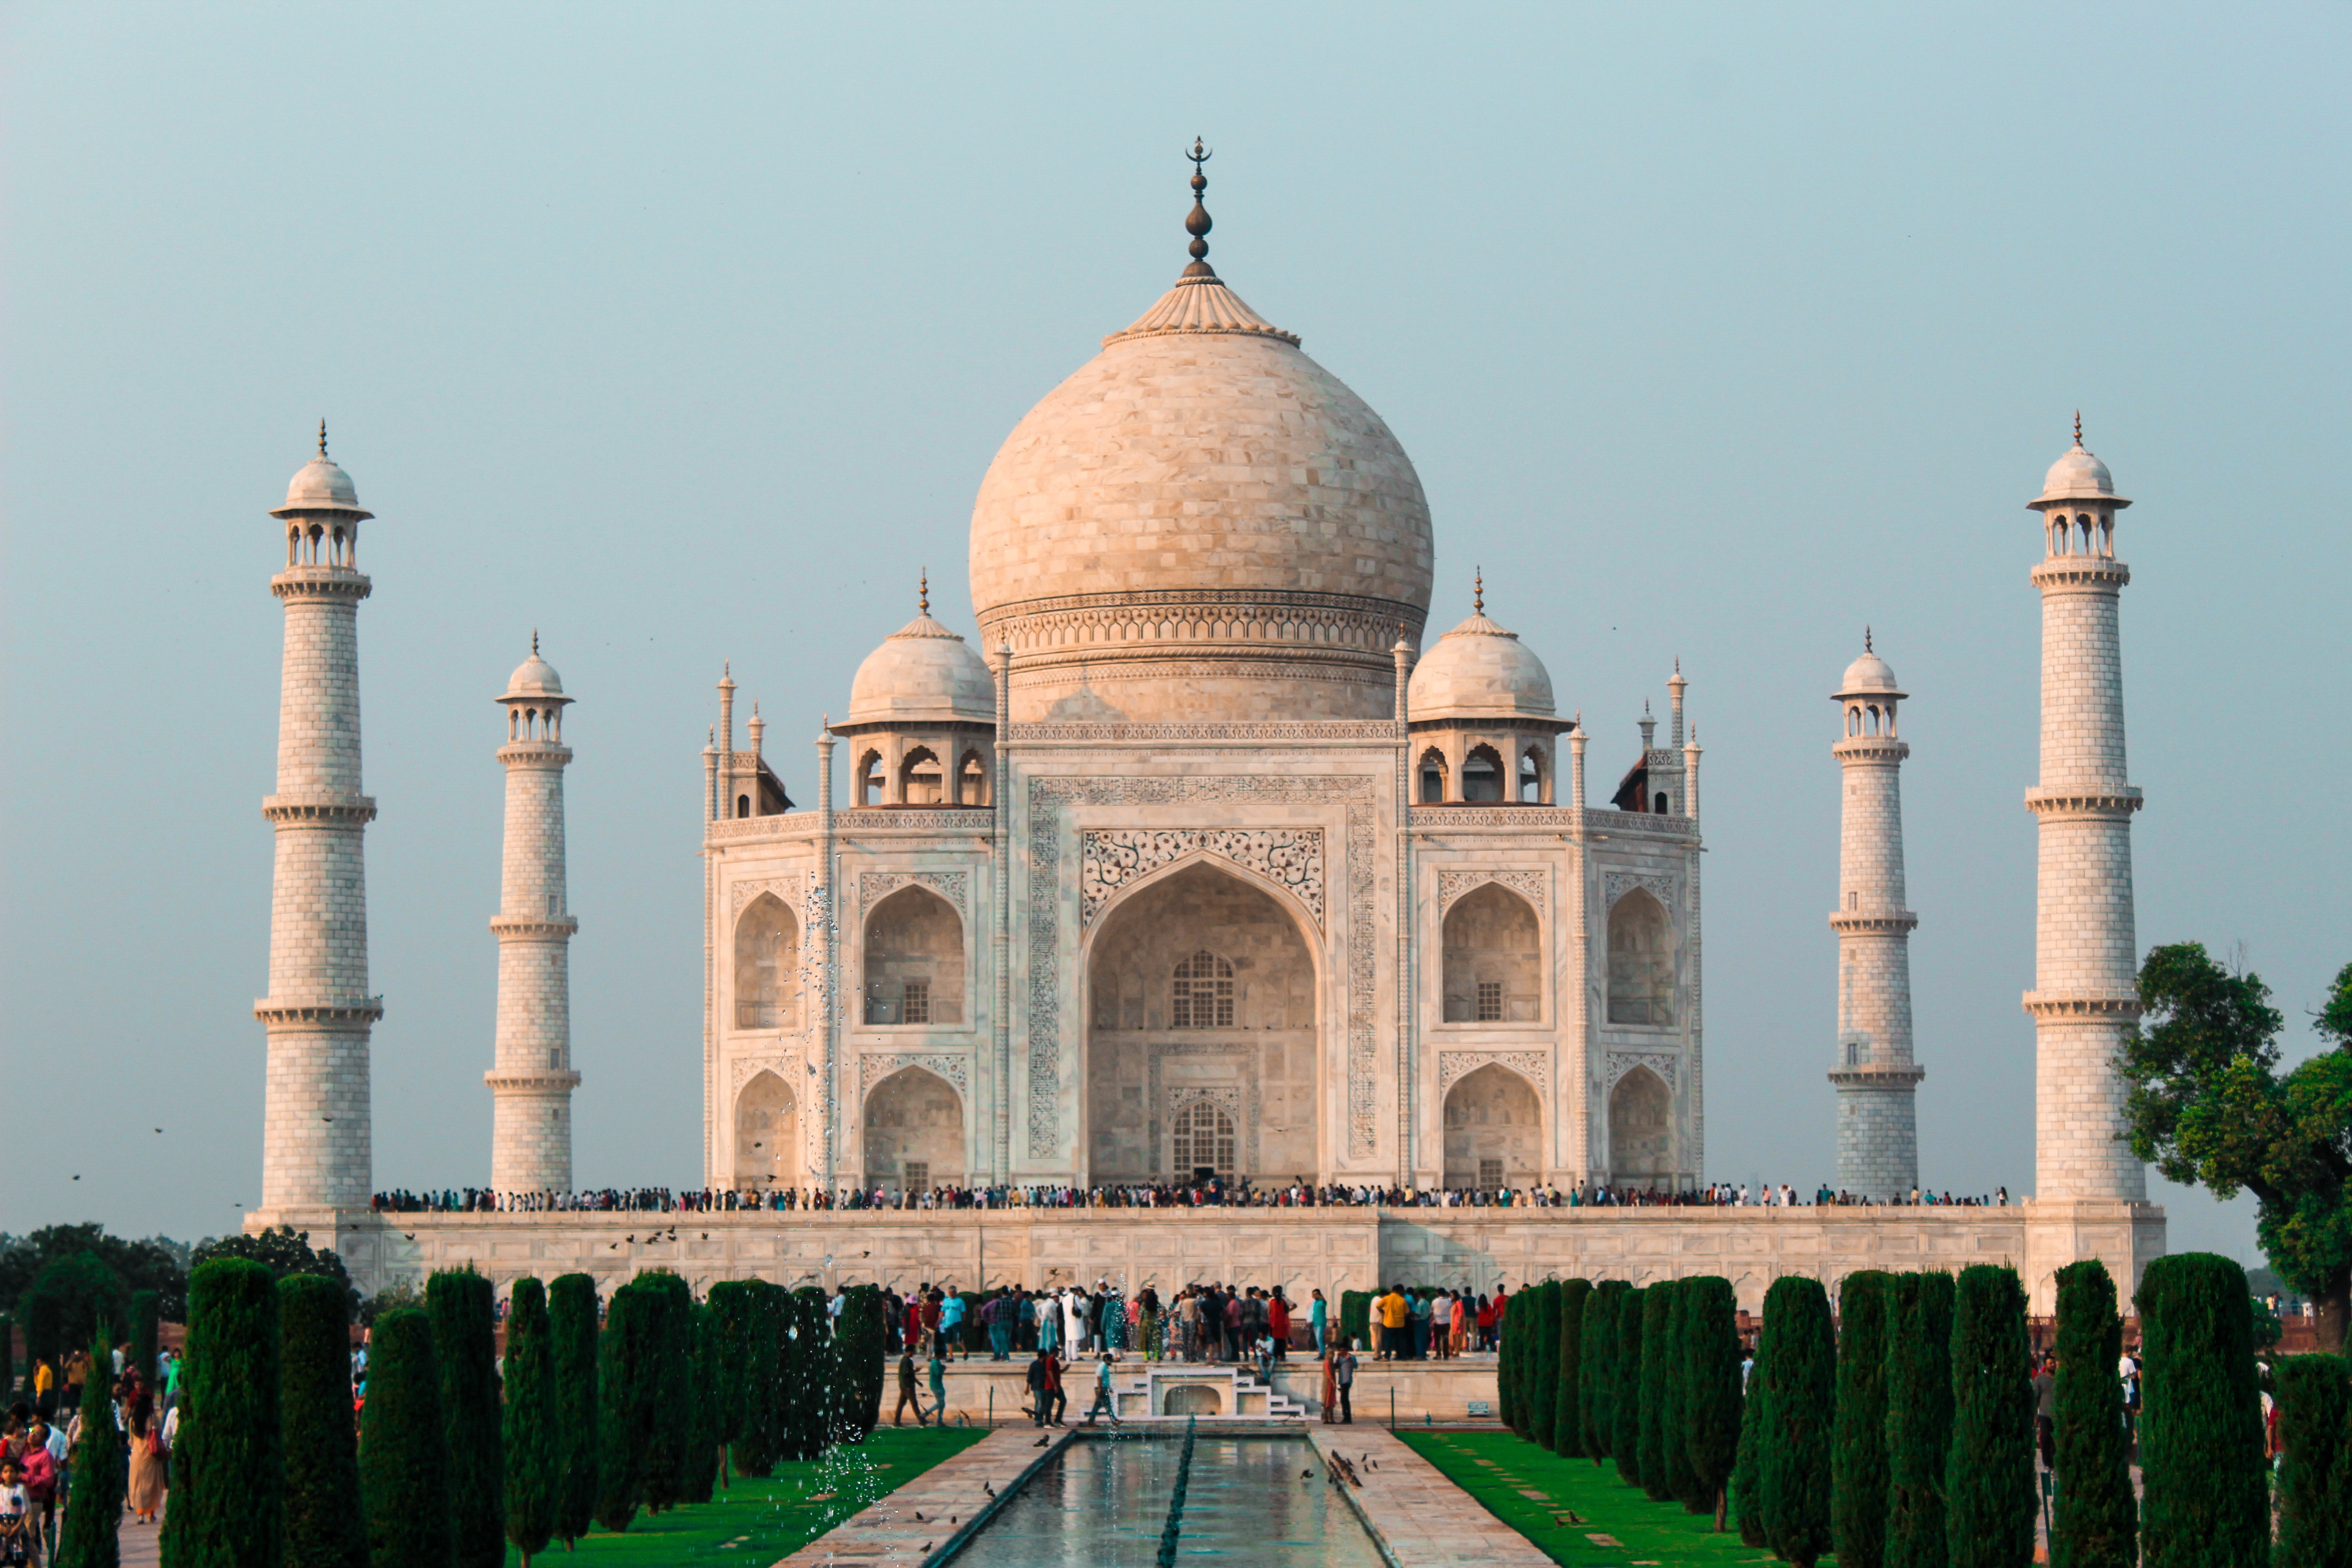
1644	1531
755	1522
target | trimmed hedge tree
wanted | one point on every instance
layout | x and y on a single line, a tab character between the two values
2095	1519
229	1464
1682	1480
624	1418
572	1333
324	1525
2315	1395
857	1348
1746	1499
2201	1445
734	1317
1919	1418
1625	1389
1711	1400
665	1375
1792	1454
711	1377
403	1447
1597	1369
146	1336
1567	1420
814	1381
1658	1418
1989	1486
1540	1388
90	1538
1858	1452
531	1437
1507	1405
465	1313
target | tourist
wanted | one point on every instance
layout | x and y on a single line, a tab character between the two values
143	1495
1058	1398
1187	1324
1277	1323
1316	1310
938	1370
1331	1393
1024	1321
952	1312
2045	1411
18	1544
996	1316
909	1393
1073	1319
1147	1307
1049	1321
39	1462
1034	1380
1104	1404
1343	1380
1396	1318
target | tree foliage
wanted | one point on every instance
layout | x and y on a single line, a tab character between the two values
2095	1519
1988	1486
284	1250
1625	1392
324	1525
146	1332
815	1382
1919	1418
464	1310
1800	1347
1858	1451
531	1436
1509	1406
1538	1388
2315	1394
2210	1107
1711	1387
1747	1488
711	1377
157	1264
735	1314
666	1374
404	1448
572	1335
858	1335
624	1413
1658	1429
1597	1369
227	1503
2201	1445
90	1538
69	1299
1568	1382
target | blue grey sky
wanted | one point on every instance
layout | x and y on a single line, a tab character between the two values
685	334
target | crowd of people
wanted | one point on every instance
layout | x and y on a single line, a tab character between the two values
1214	1194
43	1439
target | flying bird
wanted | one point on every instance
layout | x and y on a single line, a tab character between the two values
159	1130
989	1489
327	1119
76	1178
408	1236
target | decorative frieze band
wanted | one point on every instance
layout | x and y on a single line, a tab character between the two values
1289	857
784	888
1453	1066
873	887
1615	885
873	1067
743	1069
1308	731
1667	1065
1535	885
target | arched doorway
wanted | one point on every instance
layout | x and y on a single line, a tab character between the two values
1640	961
767	966
1493	959
914	960
913	1130
1200	991
767	1134
1640	1130
1494	1131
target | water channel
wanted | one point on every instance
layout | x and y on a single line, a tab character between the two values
1104	1503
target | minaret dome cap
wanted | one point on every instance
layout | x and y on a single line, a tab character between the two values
1869	676
322	486
534	679
2077	476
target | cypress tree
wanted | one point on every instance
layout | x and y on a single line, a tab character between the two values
2095	1519
666	1377
1747	1488
2201	1445
1682	1477
572	1333
734	1314
703	1457
146	1334
1539	1389
464	1310
228	1463
766	1433
1598	1373
324	1526
1506	1390
857	1346
1625	1389
1989	1488
1657	1353
531	1436
1567	1420
1792	1454
623	1420
403	1448
1858	1499
1710	1375
90	1538
2314	1396
812	1373
1919	1418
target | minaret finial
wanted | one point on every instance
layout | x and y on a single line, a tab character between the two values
2078	427
1478	592
923	594
1865	640
1196	223
322	436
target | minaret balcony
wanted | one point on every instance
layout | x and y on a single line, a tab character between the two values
2058	801
2098	573
544	753
321	583
325	1013
543	1079
324	809
1879	922
534	928
2122	1006
1885	749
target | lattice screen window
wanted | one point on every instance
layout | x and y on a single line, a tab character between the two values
1204	1137
918	1001
918	1176
1490	1175
1205	995
1490	1000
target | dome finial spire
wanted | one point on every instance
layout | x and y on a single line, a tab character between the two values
2078	427
1866	641
1478	591
923	593
323	435
1196	223
534	642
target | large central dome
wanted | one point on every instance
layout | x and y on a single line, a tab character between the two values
1201	523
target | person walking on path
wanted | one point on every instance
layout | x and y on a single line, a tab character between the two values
1059	1398
908	1393
1343	1380
1040	1370
997	1313
938	1387
1104	1404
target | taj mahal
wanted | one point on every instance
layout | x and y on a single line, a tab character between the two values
1207	853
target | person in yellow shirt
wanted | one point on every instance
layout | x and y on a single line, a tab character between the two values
1395	1315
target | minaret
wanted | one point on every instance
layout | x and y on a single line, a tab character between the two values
1877	1127
530	1087
2085	957
318	1014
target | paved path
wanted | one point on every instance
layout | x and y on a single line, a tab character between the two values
953	1497
1421	1518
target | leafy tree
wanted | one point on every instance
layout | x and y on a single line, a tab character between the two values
463	1307
624	1415
404	1448
711	1377
89	1538
2315	1394
531	1433
1567	1423
1540	1370
2210	1106
572	1333
69	1298
157	1264
1682	1479
1657	1419
1919	1418
1625	1394
1597	1370
857	1342
1800	1347
734	1313
814	1379
1989	1486
7	1358
285	1251
324	1528
2206	1502
1858	1455
229	1460
2095	1519
1710	1377
146	1332
668	1378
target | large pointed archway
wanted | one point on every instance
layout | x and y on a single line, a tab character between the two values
913	1131
1201	1022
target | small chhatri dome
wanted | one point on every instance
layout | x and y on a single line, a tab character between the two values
922	672
1869	675
1478	671
535	676
2078	476
321	485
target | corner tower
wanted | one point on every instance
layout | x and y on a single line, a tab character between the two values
316	1121
1877	1126
2086	954
530	1087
